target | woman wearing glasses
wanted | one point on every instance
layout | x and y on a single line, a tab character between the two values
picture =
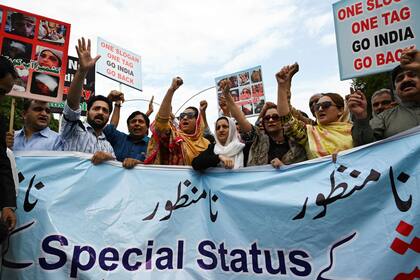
269	146
171	145
333	130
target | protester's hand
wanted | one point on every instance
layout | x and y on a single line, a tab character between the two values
10	139
86	61
176	83
9	216
225	86
357	104
276	163
116	96
222	103
285	75
410	59
130	162
100	157
227	162
151	105
203	106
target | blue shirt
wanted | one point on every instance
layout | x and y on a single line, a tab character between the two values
124	145
43	140
81	137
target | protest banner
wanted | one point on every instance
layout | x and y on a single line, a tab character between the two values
88	86
371	34
358	218
119	64
247	90
38	48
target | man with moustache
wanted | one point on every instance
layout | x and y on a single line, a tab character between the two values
87	137
35	134
406	115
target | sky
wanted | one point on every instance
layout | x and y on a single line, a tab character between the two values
201	40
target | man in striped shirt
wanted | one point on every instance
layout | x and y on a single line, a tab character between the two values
86	137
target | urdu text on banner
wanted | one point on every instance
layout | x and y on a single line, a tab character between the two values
358	218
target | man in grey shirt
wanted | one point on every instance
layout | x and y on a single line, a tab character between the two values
406	115
86	137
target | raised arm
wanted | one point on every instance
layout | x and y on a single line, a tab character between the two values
284	81
410	59
150	110
203	107
118	98
86	62
165	107
234	110
223	106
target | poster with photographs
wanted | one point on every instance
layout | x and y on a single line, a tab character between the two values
38	47
247	90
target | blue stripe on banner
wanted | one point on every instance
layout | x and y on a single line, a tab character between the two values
358	218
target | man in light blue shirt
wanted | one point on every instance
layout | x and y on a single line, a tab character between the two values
35	134
87	136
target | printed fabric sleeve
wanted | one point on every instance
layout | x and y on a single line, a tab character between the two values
295	129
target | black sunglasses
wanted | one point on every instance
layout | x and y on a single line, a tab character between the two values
274	117
325	105
189	115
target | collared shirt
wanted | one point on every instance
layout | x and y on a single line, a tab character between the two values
80	136
43	140
388	123
124	145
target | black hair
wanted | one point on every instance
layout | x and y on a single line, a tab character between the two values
194	109
135	113
6	67
95	98
397	70
27	103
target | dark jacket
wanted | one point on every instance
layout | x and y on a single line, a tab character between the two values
7	185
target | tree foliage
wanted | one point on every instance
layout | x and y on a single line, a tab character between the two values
369	84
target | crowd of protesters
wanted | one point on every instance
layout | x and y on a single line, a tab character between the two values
282	134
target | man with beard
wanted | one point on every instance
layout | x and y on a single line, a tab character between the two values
406	115
35	134
86	137
7	186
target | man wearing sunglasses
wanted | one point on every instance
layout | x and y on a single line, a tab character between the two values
382	100
171	145
35	134
406	115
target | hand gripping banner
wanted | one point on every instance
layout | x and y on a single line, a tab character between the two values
358	218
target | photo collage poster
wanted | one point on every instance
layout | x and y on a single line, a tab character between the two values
38	48
246	89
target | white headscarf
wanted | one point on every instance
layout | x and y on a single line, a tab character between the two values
233	146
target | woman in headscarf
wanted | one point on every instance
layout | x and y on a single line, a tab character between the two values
171	145
227	152
333	130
